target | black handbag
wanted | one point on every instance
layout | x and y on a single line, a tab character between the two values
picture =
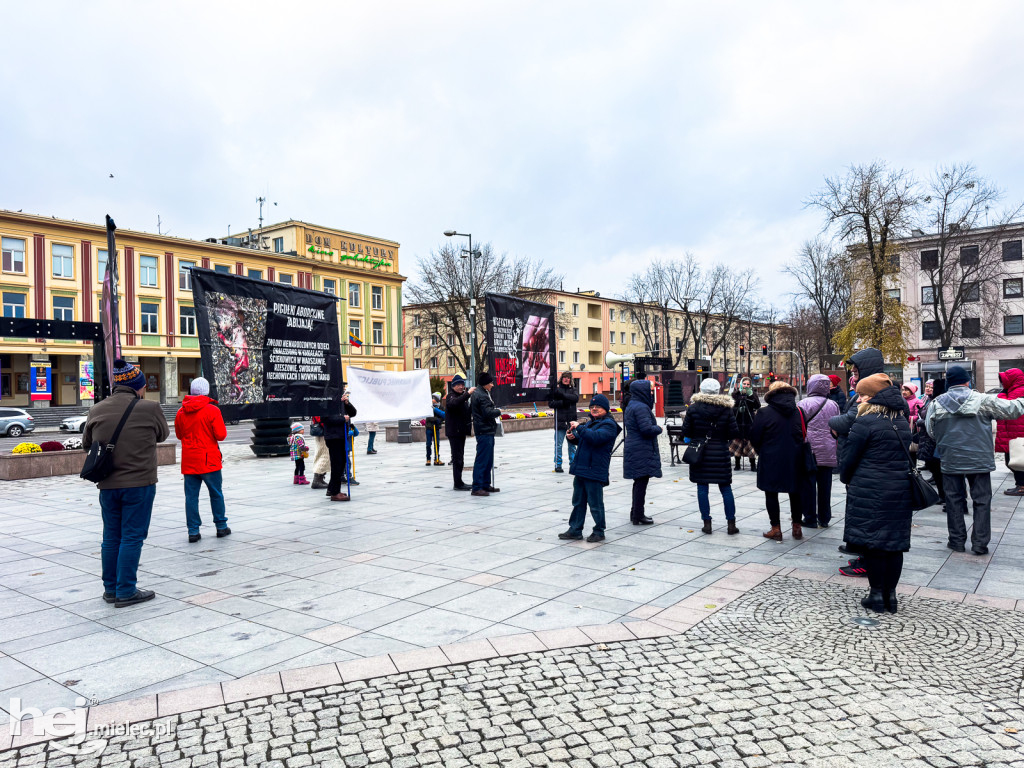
316	428
99	462
922	495
695	450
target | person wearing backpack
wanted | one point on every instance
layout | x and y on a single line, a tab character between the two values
127	493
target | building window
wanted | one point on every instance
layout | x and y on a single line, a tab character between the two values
63	261
575	357
417	341
433	362
451	361
433	339
278	245
255	274
561	356
968	256
14	305
622	337
417	364
378	333
576	310
101	265
1011	250
187	321
223	269
150	316
928	294
611	315
1013	288
148	271
184	275
561	333
13	255
633	339
929	260
63	308
892	293
561	306
575	334
283	278
679	323
415	321
611	337
353	294
1013	325
451	339
376	297
970	327
971	292
330	286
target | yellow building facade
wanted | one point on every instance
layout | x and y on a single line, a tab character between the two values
53	269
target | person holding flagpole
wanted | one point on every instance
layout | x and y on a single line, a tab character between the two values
336	437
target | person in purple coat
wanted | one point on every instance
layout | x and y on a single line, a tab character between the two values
816	491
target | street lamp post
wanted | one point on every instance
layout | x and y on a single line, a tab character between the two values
472	303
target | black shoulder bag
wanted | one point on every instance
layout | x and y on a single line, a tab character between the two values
695	450
99	462
922	495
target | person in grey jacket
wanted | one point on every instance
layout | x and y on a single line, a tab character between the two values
484	414
960	422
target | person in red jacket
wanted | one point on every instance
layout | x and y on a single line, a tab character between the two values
1013	387
199	426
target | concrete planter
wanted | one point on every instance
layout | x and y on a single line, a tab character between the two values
419	432
28	465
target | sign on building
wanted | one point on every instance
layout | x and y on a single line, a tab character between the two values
949	354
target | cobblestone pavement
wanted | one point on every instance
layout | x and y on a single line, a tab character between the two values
408	564
780	677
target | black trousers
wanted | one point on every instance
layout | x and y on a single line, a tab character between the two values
771	500
339	464
935	467
884	569
639	496
1018	477
457	445
300	466
816	497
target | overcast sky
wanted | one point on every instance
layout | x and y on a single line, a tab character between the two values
592	135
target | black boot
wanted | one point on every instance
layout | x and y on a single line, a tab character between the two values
707	526
891	603
753	465
737	462
318	481
875	601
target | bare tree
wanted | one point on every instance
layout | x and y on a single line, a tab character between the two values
443	291
823	274
802	333
730	299
963	298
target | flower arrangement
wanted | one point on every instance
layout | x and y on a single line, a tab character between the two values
520	416
543	413
506	416
50	446
27	448
73	444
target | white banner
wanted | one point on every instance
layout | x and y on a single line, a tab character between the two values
389	395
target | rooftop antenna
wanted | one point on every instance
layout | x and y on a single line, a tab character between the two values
158	225
261	201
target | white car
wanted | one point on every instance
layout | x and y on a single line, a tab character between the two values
73	424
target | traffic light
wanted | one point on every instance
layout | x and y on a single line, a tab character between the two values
743	350
771	375
764	349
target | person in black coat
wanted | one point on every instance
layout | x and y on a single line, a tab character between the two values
745	406
335	428
874	467
641	457
484	425
711	417
458	425
778	437
563	401
926	443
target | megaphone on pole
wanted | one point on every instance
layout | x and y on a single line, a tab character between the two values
612	359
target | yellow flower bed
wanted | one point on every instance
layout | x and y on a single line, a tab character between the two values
520	415
26	448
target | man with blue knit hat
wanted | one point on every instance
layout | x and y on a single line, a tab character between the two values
960	422
127	493
595	441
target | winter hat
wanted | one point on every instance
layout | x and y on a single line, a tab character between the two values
200	386
565	374
601	402
957	375
710	387
436	396
484	378
911	387
836	381
128	374
296	427
777	385
457	379
873	384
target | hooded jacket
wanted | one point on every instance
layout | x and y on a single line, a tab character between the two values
484	412
1013	388
746	407
199	426
777	436
713	417
563	401
874	467
822	408
595	441
458	418
960	422
869	362
641	457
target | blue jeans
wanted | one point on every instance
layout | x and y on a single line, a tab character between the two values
559	439
192	485
704	505
483	465
126	513
586	492
369	441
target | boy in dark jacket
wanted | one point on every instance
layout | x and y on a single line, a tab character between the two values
433	433
595	441
484	414
458	425
563	401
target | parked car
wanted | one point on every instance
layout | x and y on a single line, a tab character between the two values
73	424
14	422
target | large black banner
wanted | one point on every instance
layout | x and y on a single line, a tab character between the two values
268	349
520	348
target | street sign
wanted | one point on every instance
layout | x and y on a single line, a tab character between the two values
947	354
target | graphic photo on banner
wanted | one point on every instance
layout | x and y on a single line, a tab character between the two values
42	388
268	349
520	348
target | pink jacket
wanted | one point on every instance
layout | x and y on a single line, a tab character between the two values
914	403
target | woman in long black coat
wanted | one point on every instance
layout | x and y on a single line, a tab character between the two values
710	417
745	405
335	435
874	467
778	437
641	459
